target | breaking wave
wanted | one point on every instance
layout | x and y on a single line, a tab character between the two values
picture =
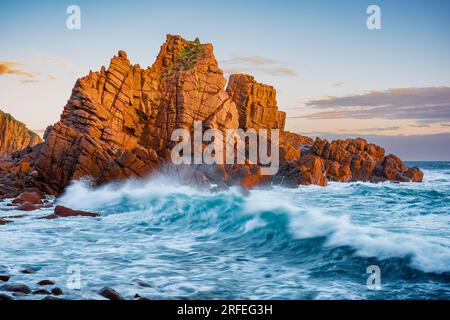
305	243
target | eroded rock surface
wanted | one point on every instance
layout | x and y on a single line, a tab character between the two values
14	136
118	123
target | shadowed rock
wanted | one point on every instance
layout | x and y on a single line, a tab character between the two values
46	283
4	278
110	294
16	287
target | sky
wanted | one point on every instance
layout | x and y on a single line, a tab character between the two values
334	77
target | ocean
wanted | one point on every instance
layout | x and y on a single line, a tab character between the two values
162	240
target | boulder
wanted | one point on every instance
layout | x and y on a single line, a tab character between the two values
27	206
64	212
4	278
46	283
110	294
16	287
57	291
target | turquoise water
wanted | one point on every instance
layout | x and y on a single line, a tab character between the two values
305	243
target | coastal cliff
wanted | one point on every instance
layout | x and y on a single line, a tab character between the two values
118	123
14	136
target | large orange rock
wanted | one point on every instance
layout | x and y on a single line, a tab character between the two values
118	123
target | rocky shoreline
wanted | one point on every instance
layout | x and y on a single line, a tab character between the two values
118	122
48	290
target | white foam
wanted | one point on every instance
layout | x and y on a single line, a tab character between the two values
427	254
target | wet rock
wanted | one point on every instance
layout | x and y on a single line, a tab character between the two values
27	206
41	291
414	174
46	283
15	216
3	221
52	298
5	297
16	287
110	294
143	284
4	278
57	291
63	212
138	297
29	196
28	271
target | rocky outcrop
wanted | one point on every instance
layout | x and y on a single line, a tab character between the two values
14	136
256	103
118	123
357	160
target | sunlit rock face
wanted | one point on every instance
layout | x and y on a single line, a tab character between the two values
14	136
118	123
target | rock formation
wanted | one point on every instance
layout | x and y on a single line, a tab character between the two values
118	123
14	136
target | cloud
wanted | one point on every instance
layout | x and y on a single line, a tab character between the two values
53	60
254	60
256	64
375	129
28	81
427	104
11	67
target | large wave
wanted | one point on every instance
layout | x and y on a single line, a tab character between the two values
232	213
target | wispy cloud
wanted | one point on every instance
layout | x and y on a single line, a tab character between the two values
14	67
45	59
256	64
255	60
427	104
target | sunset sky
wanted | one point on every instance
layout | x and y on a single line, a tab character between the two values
334	77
